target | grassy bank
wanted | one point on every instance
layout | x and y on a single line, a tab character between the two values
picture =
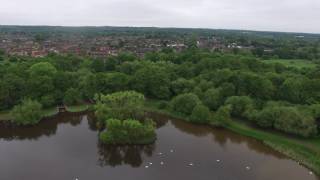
47	112
5	115
78	108
304	151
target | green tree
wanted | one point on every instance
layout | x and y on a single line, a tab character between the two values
2	52
267	116
258	51
111	64
40	88
98	65
126	57
185	103
153	81
291	120
65	80
116	82
12	89
222	116
291	90
213	98
185	70
87	85
240	105
27	113
42	69
41	83
47	100
72	96
120	105
257	86
181	86
128	132
200	114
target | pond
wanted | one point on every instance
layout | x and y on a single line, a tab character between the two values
66	147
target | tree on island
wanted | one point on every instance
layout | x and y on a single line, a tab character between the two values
119	105
119	113
128	131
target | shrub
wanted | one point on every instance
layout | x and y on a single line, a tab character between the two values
163	105
290	120
266	117
213	98
240	105
315	110
287	119
222	116
120	105
200	114
72	96
47	101
182	85
27	113
184	103
128	132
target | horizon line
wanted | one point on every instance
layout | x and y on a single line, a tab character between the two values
161	27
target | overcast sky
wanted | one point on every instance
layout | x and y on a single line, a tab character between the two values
270	15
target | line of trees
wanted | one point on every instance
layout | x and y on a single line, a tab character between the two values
194	80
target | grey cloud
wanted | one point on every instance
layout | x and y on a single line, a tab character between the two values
273	15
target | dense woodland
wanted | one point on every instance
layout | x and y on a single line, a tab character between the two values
193	83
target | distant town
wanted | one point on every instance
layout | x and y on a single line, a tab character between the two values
110	41
20	44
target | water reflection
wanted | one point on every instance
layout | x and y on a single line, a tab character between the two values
47	127
71	142
130	155
219	135
119	155
160	120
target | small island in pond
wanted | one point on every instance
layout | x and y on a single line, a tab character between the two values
122	116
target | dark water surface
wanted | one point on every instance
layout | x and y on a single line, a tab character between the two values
67	147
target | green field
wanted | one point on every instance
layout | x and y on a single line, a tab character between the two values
78	108
297	63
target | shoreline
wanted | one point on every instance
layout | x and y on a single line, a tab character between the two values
304	153
47	114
